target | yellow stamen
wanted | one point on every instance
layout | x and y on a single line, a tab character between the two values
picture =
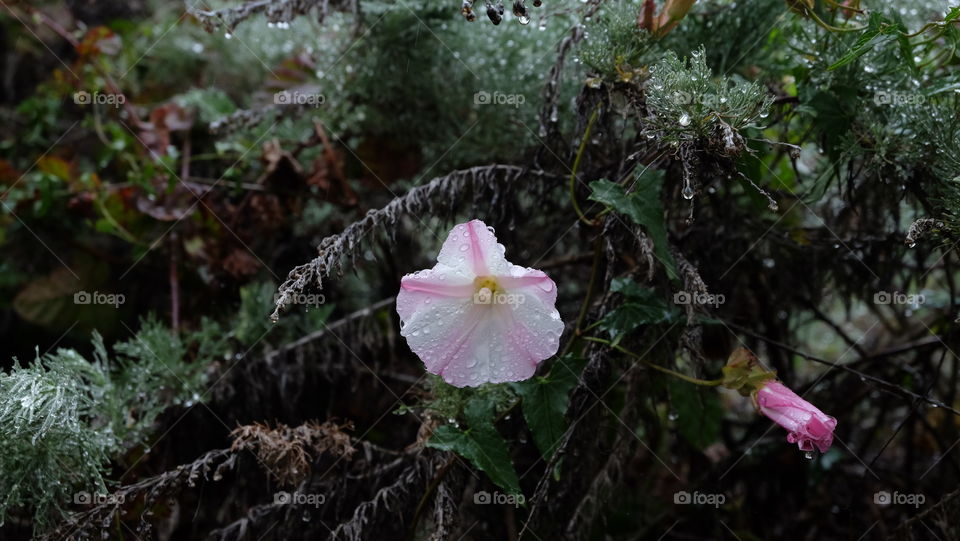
488	282
484	289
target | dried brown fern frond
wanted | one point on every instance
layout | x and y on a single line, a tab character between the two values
288	452
100	517
391	503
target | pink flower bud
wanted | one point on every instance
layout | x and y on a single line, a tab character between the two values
807	425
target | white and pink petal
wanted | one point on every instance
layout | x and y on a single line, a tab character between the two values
419	289
494	353
473	247
441	329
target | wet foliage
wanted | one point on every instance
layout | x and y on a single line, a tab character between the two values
206	209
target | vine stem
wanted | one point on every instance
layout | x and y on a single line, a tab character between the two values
684	377
829	27
585	305
576	165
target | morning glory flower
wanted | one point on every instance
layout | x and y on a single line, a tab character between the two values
476	318
808	426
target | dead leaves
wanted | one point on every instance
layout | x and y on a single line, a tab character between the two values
99	40
289	452
671	14
329	173
166	118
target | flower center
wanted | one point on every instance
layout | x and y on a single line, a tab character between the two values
488	282
484	289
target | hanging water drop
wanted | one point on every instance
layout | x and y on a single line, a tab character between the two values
685	121
687	192
808	455
520	11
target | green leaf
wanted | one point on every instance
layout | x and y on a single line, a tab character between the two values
480	443
545	402
627	287
643	207
879	30
699	413
625	318
643	307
